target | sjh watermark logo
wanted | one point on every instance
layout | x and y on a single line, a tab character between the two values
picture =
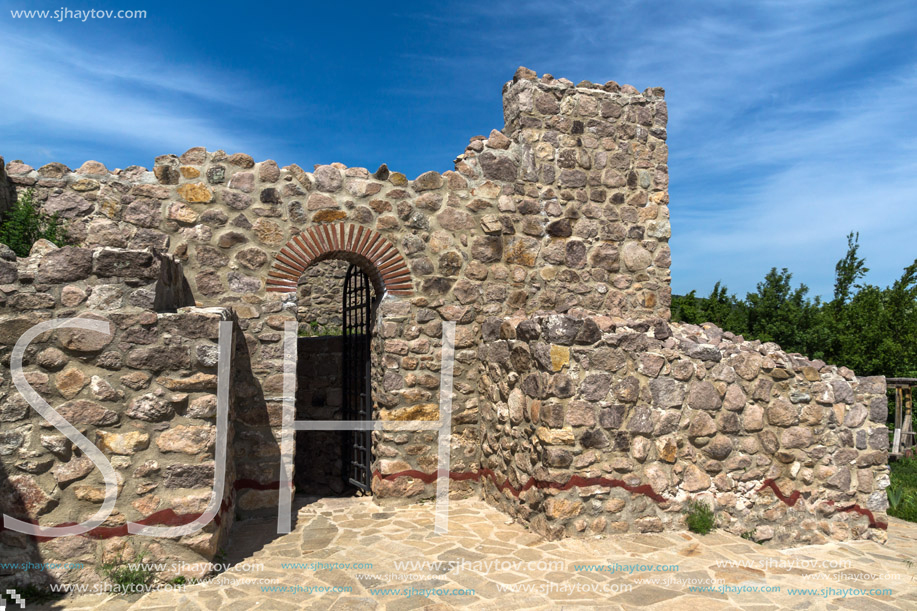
14	599
443	428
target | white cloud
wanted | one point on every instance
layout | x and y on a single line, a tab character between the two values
59	92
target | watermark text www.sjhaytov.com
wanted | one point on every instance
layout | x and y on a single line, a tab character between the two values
66	14
40	566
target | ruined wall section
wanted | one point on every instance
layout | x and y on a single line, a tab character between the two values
589	214
225	218
603	429
145	394
566	211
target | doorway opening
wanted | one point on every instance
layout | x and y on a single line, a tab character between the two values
336	308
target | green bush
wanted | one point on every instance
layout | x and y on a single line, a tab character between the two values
895	496
902	493
24	224
700	517
749	535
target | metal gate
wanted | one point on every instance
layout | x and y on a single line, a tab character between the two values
357	395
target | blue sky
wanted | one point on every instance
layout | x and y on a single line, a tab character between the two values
791	123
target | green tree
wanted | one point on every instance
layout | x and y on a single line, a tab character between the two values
720	308
778	313
24	224
848	270
873	330
867	328
726	311
687	308
901	323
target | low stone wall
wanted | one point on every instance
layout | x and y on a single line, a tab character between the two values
145	395
595	428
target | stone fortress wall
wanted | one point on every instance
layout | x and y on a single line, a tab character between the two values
640	419
578	406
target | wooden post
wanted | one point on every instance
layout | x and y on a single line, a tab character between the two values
896	441
906	425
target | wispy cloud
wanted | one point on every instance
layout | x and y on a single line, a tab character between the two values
57	92
811	135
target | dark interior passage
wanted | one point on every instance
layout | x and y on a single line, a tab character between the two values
333	375
319	368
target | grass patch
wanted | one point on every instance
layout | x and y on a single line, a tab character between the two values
700	517
902	493
128	574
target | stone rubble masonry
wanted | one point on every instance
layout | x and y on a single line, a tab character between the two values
320	294
547	245
7	192
779	445
133	393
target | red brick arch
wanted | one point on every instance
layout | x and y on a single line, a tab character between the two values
359	245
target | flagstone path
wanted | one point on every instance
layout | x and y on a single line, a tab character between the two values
478	572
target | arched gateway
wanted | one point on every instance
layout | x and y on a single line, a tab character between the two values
361	246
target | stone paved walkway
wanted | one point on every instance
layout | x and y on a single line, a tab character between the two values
357	530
